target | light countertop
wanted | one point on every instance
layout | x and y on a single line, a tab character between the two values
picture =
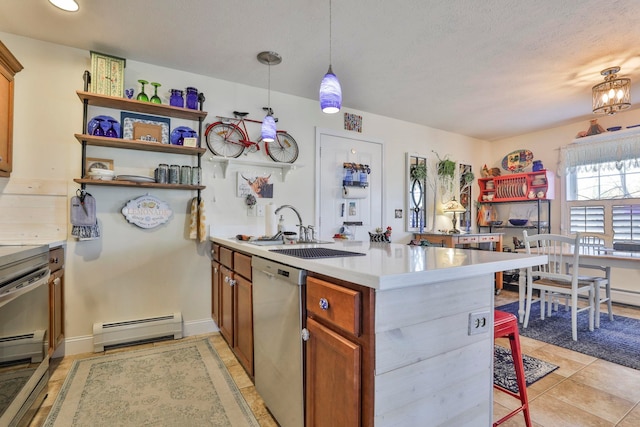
390	266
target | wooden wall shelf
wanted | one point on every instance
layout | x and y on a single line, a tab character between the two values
131	144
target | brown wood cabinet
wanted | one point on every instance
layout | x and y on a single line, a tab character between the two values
9	66
232	302
339	353
56	298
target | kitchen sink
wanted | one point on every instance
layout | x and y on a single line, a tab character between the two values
316	253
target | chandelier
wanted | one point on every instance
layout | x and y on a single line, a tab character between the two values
613	94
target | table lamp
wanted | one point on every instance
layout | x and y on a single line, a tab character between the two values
455	207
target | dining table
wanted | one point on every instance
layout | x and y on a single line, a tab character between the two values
600	256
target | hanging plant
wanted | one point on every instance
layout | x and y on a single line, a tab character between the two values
446	168
419	172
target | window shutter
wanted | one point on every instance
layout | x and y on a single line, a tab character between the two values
587	219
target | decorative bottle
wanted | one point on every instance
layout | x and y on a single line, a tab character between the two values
176	100
192	98
537	165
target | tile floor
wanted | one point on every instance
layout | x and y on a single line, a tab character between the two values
583	392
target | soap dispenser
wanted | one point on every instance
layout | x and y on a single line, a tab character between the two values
281	224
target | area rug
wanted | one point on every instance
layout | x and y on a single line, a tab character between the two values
615	341
504	374
11	383
183	384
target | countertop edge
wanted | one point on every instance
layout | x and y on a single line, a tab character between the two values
481	262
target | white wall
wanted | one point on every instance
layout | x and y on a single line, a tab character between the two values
132	272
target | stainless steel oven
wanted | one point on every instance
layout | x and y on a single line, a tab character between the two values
24	323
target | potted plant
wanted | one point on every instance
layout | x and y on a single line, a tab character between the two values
419	172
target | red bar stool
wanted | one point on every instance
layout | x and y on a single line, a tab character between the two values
506	325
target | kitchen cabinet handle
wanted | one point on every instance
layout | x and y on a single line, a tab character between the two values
324	304
215	270
232	282
304	334
53	260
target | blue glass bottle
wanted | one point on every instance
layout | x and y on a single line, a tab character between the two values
177	99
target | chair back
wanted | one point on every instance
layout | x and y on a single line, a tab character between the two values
592	244
561	251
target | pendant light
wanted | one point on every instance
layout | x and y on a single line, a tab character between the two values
330	90
67	5
613	94
269	123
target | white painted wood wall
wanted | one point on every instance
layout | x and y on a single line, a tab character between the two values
33	211
429	371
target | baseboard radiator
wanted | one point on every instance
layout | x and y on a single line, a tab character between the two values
22	347
135	331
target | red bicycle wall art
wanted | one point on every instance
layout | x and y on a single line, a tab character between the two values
228	137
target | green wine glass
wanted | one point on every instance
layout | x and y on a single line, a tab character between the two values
155	98
142	96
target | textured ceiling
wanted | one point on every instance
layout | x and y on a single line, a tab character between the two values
488	69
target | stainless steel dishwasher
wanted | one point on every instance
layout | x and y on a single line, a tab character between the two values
277	328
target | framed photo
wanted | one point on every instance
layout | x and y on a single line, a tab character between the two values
146	128
92	162
107	74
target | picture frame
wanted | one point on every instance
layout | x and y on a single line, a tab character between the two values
101	163
107	74
127	121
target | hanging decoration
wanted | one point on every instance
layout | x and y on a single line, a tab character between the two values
147	211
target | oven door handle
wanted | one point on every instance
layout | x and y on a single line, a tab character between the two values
26	286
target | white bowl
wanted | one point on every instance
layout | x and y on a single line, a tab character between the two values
101	174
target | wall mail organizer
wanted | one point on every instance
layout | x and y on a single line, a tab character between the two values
355	175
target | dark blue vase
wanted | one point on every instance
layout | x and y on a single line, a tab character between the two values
537	165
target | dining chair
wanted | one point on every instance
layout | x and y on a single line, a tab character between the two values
553	280
592	243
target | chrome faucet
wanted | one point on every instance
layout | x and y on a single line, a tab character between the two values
301	228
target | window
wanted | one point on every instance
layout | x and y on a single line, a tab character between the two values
603	185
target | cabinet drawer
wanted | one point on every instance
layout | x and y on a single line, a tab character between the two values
226	257
56	259
335	304
215	252
467	239
242	265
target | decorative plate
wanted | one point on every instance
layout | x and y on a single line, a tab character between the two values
135	178
103	122
517	160
186	132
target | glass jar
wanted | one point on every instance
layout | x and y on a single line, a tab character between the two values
161	173
196	175
537	165
185	175
192	98
174	174
176	99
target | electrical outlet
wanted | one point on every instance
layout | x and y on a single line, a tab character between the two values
260	210
251	210
479	323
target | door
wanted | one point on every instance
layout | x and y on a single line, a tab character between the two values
333	149
243	325
226	304
216	280
333	378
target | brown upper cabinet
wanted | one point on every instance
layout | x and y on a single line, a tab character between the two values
9	66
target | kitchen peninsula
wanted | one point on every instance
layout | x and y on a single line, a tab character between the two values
419	356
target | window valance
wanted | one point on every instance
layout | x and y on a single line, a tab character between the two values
606	150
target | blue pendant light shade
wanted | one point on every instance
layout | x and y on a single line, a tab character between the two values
268	128
330	93
269	123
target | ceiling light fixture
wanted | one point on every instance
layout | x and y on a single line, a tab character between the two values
613	95
269	123
68	5
330	90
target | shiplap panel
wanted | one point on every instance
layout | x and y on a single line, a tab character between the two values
417	304
25	219
35	187
440	384
469	408
411	344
